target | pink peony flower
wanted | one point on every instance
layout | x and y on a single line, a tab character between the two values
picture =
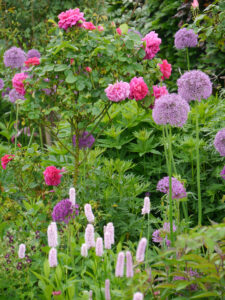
88	26
52	175
70	18
88	69
17	82
138	88
195	4
33	61
6	159
100	28
118	92
166	69
119	31
152	44
158	91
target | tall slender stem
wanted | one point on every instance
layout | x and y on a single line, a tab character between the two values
198	169
17	113
77	152
188	60
31	138
41	137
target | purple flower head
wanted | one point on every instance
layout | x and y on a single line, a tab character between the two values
185	38
85	140
14	95
219	142
14	57
178	190
166	227
223	173
156	237
160	235
170	109
7	90
33	53
1	84
63	211
194	85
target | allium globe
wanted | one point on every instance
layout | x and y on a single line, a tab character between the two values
34	61
1	84
185	38
194	85
70	18
118	92
88	26
219	142
63	211
6	159
138	88
160	235
166	69
52	176
33	53
223	173
86	140
152	44
14	95
159	91
14	57
178	190
18	82
170	109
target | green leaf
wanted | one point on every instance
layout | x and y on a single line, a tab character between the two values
46	268
205	295
60	68
70	77
129	44
124	28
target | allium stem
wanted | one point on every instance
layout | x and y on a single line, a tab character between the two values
188	61
17	113
76	156
198	170
41	137
31	138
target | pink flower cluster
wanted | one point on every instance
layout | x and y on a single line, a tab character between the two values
52	175
33	61
6	159
158	91
118	92
88	26
18	84
138	88
70	18
152	44
166	69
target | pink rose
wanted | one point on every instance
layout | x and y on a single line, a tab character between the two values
70	18
118	92
166	69
119	31
33	61
138	88
158	91
17	82
88	26
100	28
52	175
152	43
6	159
88	69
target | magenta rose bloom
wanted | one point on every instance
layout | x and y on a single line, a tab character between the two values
159	91
152	44
118	92
70	18
138	88
6	159
18	84
52	175
88	26
166	69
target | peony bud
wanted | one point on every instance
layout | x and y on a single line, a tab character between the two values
90	236
146	207
120	265
140	254
52	258
22	250
72	194
107	290
99	247
52	235
84	250
88	213
129	265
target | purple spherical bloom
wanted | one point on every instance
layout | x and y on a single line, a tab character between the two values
63	211
223	173
185	38
219	142
86	140
14	95
194	85
170	109
178	190
166	227
156	236
1	84
14	57
33	53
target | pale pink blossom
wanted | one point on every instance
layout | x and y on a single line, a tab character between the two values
88	213
120	265
52	258
90	236
140	254
52	235
84	250
118	92
72	194
90	294
110	229
138	296
195	4
152	43
107	290
22	250
107	240
146	208
129	265
99	247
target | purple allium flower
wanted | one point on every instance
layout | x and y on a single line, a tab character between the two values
194	85
85	140
120	264
14	95
14	57
6	92
185	38
223	173
156	236
63	211
140	254
160	235
178	190
33	53
219	142
1	84
170	109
